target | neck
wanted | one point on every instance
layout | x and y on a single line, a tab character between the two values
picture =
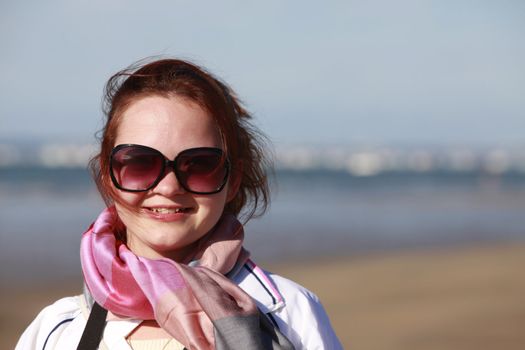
181	255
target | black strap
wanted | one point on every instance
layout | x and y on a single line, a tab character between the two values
94	328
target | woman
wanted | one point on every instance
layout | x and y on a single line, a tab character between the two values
163	264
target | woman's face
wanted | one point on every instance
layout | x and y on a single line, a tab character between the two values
169	125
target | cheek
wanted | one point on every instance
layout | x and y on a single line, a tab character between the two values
129	220
214	204
122	213
132	199
125	209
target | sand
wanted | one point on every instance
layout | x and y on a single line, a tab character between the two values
455	298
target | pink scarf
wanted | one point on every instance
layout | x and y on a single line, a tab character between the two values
188	302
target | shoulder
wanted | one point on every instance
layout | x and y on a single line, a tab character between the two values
309	324
49	323
296	311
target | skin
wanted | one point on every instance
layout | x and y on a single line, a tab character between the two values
169	125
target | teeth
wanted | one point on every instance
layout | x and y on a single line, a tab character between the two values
166	210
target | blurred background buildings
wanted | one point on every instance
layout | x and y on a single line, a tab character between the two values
355	160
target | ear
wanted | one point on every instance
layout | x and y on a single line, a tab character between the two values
234	182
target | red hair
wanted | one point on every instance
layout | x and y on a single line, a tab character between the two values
242	142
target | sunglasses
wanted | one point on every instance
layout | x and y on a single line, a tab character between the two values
137	168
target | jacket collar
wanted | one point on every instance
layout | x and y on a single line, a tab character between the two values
259	285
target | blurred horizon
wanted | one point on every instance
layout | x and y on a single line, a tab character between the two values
356	160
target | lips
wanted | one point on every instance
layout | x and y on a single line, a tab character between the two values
168	210
167	213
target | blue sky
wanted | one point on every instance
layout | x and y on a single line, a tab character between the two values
376	72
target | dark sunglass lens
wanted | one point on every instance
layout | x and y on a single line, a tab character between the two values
202	171
136	168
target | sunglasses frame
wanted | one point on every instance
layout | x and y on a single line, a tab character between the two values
170	165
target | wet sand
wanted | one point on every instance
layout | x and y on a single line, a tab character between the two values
455	298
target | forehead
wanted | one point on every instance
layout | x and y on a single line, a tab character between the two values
169	124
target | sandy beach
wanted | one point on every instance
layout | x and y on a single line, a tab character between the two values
455	298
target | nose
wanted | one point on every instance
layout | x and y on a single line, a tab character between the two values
169	185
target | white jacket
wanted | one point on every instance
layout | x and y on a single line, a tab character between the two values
295	310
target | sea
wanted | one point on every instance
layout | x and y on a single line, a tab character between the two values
313	214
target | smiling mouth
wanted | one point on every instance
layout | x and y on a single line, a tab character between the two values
169	210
